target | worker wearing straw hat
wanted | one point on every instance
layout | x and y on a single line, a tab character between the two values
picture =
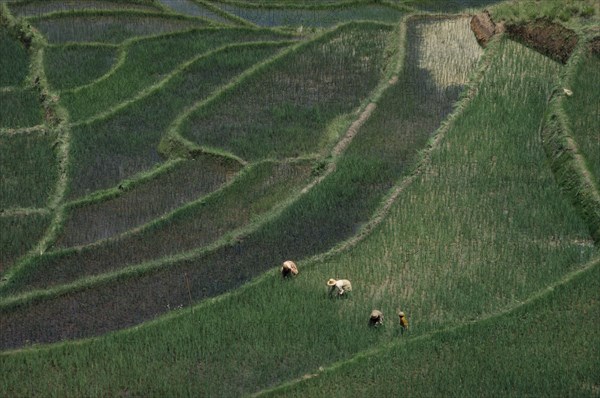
403	322
339	287
376	318
289	268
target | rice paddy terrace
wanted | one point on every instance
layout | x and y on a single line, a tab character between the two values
160	159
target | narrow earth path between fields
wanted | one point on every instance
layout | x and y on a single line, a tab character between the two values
65	313
56	121
59	328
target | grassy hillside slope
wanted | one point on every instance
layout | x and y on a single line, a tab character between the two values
422	170
273	330
549	346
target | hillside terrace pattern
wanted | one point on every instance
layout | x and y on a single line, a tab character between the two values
398	166
337	228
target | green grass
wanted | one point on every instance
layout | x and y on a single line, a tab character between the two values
317	17
28	170
20	108
111	149
197	9
139	201
198	225
470	232
71	66
39	7
479	236
14	62
569	12
108	26
288	3
319	220
583	110
483	213
25	231
448	6
555	336
570	163
148	61
283	109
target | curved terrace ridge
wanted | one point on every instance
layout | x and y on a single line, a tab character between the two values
388	82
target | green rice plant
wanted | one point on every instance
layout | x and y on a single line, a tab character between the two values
109	26
34	8
20	108
283	109
190	7
114	148
289	3
91	220
20	233
256	192
485	209
14	62
28	170
70	66
330	212
472	235
312	17
448	6
438	41
146	62
568	162
386	148
583	109
547	346
569	12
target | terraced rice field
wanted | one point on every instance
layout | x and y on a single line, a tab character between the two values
160	159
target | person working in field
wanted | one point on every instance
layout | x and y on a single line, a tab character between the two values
376	318
339	287
289	268
403	322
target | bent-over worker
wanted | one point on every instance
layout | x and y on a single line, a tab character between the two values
340	286
289	269
376	318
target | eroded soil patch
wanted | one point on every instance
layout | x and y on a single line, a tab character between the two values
546	37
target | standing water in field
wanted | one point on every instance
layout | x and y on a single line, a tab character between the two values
385	149
192	8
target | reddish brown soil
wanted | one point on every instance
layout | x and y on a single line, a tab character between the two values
484	28
549	38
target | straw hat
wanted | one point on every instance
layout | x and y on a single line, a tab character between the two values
331	282
401	314
291	266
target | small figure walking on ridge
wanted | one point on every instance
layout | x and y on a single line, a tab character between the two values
403	322
376	318
289	268
340	286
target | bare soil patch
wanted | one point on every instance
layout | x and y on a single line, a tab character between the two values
485	28
548	38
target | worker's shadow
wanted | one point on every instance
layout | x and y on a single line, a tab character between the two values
334	295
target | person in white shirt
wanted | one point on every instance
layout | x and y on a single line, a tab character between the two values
289	268
339	287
